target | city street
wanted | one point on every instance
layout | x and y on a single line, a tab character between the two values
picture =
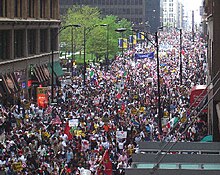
114	111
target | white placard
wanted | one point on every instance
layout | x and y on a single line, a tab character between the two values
85	172
121	134
73	122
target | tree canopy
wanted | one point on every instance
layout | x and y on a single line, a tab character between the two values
96	28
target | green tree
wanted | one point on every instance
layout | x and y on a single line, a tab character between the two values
89	18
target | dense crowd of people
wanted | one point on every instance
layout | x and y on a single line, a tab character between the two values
107	117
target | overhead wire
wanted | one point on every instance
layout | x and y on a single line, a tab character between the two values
192	112
156	166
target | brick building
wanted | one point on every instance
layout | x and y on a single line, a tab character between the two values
28	30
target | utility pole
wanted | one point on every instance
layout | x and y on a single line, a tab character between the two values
158	84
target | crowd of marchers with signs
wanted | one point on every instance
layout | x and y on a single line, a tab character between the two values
95	128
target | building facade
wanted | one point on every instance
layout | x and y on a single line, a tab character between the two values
173	13
212	19
27	35
144	14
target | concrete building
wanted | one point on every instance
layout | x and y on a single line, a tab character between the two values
212	15
27	34
145	14
173	13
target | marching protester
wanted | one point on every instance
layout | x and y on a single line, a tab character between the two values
96	127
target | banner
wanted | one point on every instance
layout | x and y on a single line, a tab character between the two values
42	97
142	36
139	36
121	134
17	166
131	40
125	43
134	39
122	42
73	122
144	55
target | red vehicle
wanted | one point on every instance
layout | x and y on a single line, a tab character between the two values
198	91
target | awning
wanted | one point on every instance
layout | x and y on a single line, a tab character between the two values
41	73
57	68
10	83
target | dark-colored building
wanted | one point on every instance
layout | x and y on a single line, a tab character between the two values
27	34
212	19
145	14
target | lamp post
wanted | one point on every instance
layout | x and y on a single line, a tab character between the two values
180	56
158	84
84	47
181	65
121	30
107	44
156	44
84	56
73	48
52	57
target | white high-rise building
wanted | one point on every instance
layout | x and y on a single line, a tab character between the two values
172	13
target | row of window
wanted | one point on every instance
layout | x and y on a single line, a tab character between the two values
28	8
119	11
20	42
107	2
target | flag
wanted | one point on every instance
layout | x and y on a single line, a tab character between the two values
56	120
106	164
67	131
118	96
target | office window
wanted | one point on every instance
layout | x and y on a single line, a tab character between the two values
140	2
51	8
3	8
16	8
31	8
4	44
54	39
42	9
31	42
43	40
18	43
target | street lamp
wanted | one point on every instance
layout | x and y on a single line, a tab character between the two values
121	30
52	59
156	44
181	64
73	49
84	47
180	54
107	42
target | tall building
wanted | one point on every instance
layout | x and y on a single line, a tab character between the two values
173	13
28	30
212	14
145	14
